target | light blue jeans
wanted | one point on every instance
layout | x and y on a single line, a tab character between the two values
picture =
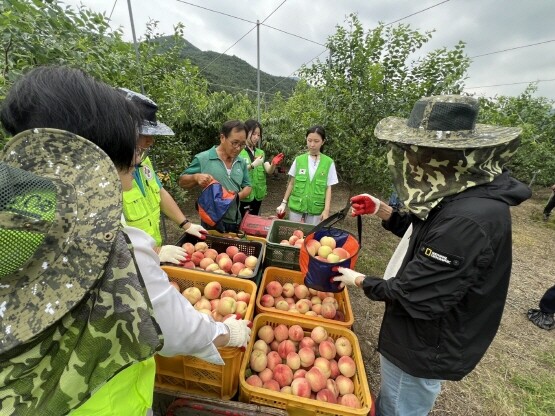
404	395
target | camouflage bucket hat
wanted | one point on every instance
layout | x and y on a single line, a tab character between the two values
60	209
148	109
444	121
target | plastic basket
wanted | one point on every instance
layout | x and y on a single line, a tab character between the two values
256	225
235	236
184	373
286	257
300	406
291	276
220	244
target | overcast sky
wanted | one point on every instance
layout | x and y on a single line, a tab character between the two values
485	25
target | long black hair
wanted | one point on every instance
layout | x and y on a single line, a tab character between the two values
320	131
251	126
70	99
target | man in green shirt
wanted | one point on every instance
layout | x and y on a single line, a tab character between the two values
222	164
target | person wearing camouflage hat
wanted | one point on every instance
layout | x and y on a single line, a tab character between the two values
446	284
147	199
84	304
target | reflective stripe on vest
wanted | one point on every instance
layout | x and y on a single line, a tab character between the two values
257	177
309	196
143	210
130	393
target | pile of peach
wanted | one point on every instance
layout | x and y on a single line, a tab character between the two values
297	298
231	262
310	365
295	240
218	303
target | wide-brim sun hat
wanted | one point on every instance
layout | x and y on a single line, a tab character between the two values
60	210
444	121
148	108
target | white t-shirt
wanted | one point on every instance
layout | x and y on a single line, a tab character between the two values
398	256
332	174
186	331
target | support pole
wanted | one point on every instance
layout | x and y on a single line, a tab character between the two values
258	70
137	56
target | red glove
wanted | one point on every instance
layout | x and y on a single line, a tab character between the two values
278	159
364	204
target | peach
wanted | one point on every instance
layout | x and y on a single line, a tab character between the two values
339	316
341	252
239	258
286	390
241	308
205	311
229	293
274	345
258	361
288	290
331	385
316	379
196	257
189	248
315	300
273	359
300	373
328	310
307	342
298	233
307	356
328	241
300	387
319	334
282	305
290	302
296	333
284	243
254	380
344	384
350	400
267	301
221	256
334	369
271	385
203	303
327	350
324	295
312	247
332	300
293	239
301	292
311	313
261	345
266	375
227	305
213	267
281	332
251	262
205	262
189	265
324	365
324	251
325	395
245	272
317	308
343	347
212	290
217	317
283	375
285	347
211	253
214	303
293	360
236	268
332	258
347	366
303	306
243	296
299	242
225	264
201	246
232	251
266	333
192	294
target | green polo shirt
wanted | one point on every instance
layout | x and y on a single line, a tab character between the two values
209	162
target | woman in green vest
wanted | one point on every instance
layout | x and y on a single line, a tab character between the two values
258	168
312	175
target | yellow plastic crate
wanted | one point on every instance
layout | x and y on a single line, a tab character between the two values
193	375
291	276
300	406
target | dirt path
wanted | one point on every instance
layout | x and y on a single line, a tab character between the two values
518	343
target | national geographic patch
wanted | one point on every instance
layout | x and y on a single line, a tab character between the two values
441	257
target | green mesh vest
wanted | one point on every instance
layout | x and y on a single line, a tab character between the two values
257	177
309	196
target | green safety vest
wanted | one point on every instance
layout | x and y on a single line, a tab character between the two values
309	196
256	175
130	392
141	204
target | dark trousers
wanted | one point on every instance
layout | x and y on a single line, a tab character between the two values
547	302
550	205
253	207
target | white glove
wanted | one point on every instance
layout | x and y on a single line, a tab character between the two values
239	332
197	230
347	277
257	162
281	208
172	254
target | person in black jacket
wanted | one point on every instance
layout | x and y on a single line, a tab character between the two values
447	282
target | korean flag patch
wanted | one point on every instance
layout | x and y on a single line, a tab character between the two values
302	171
441	257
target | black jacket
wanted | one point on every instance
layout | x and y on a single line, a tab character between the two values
445	304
